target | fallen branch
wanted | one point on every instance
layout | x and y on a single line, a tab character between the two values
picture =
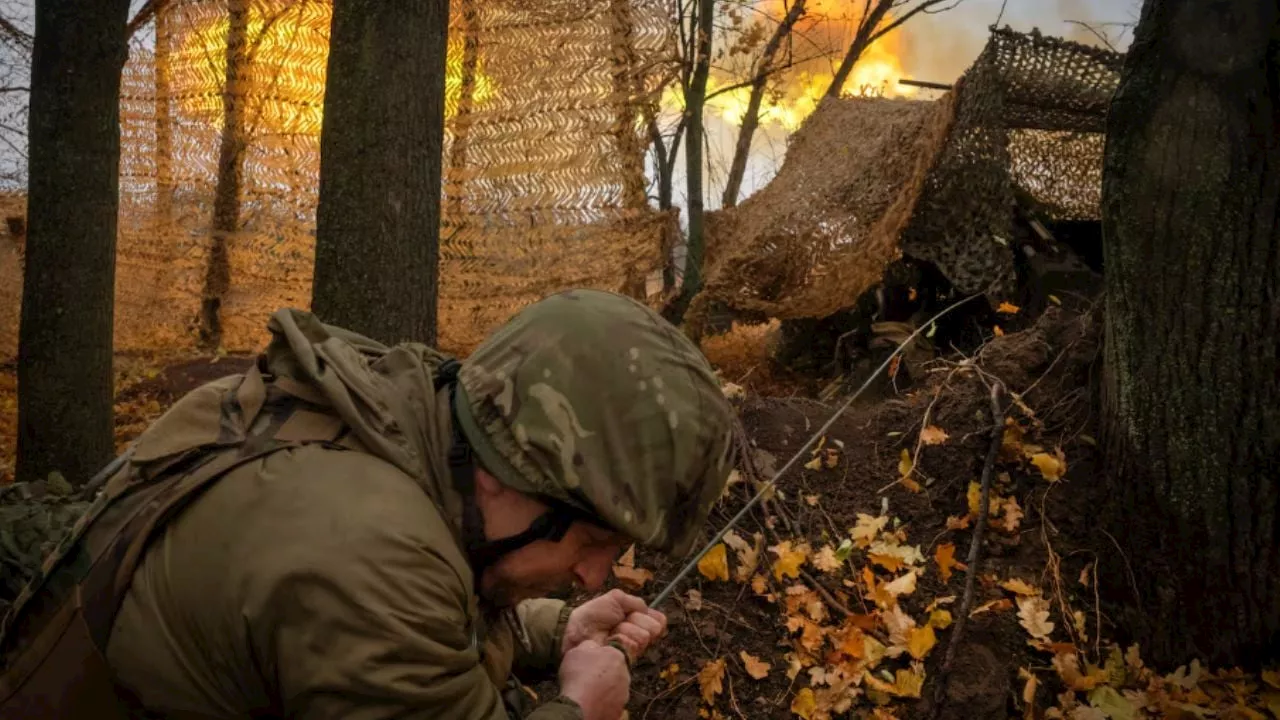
975	549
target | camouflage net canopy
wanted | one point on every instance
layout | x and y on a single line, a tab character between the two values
543	168
868	179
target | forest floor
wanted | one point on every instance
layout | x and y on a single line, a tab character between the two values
841	595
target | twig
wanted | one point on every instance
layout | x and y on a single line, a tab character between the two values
975	549
825	593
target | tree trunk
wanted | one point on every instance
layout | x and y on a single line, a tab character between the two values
866	27
694	101
378	220
68	298
1191	208
738	166
226	195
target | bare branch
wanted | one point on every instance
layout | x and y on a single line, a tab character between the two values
1095	32
16	33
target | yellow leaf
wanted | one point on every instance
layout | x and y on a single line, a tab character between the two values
826	560
867	529
1054	299
759	585
715	564
909	683
892	556
945	556
1272	678
814	464
1052	467
1029	689
789	559
669	674
933	435
920	641
1018	586
904	463
996	329
1033	615
940	619
1008	308
974	496
711	680
755	667
804	704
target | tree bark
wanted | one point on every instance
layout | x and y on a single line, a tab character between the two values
863	38
738	166
378	220
1191	221
68	297
695	98
226	194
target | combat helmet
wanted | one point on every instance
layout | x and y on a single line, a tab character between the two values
594	403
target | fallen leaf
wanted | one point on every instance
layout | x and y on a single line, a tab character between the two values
904	463
867	528
711	680
992	606
826	560
1029	689
904	585
804	704
693	600
920	641
748	554
1272	678
945	557
909	683
998	332
669	674
892	556
814	464
789	559
812	500
1054	299
1052	467
1084	575
732	391
1033	615
933	435
630	577
1068	666
759	585
958	523
940	619
1081	625
715	564
1008	308
899	623
754	666
1018	586
1010	515
1112	703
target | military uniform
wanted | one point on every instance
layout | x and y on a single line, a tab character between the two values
326	572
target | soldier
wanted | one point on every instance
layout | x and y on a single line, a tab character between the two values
349	530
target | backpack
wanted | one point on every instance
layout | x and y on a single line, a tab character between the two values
53	640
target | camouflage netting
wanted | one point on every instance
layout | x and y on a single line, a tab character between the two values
543	163
866	179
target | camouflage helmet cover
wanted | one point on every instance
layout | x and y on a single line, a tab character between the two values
595	400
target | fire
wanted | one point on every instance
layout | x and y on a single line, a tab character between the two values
285	76
875	74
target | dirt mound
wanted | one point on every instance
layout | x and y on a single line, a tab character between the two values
801	619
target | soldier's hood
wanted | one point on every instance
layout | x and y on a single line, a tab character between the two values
385	396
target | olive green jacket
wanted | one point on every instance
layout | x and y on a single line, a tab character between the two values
323	581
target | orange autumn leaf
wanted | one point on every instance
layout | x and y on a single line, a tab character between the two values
996	329
933	435
1018	586
715	564
1051	467
1008	308
904	463
789	559
945	556
755	667
992	606
711	680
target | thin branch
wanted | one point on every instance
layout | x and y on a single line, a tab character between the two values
975	548
16	33
1095	32
144	16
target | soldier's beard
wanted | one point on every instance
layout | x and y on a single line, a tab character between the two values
505	585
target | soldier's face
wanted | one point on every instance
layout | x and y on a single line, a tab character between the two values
582	559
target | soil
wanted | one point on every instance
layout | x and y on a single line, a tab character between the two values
1050	366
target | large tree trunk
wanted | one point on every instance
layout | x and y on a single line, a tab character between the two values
378	221
64	352
226	194
1191	207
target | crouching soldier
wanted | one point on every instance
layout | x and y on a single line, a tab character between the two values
349	530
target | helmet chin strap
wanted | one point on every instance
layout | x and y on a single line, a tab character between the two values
481	551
